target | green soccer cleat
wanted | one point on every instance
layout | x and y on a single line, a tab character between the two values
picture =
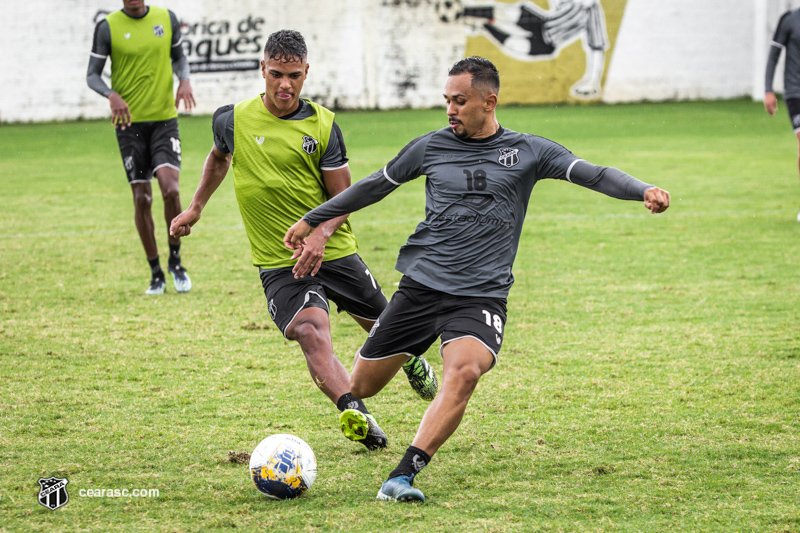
399	489
421	378
361	427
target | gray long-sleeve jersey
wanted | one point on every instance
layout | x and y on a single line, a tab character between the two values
787	37
477	193
101	49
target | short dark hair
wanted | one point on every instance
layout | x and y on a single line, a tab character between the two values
484	73
286	46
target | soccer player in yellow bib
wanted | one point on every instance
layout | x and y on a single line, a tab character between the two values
144	44
288	156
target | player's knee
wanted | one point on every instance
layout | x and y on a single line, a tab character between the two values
142	200
171	194
465	377
305	330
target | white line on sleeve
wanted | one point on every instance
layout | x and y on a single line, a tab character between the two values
385	175
569	170
335	168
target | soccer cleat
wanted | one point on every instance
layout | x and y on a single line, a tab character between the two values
421	378
399	489
157	286
361	427
181	278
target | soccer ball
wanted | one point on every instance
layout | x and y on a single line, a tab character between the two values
449	10
283	466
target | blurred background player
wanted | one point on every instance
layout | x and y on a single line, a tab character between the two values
787	37
457	265
144	44
289	157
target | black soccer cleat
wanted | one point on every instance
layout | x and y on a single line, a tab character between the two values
157	285
181	278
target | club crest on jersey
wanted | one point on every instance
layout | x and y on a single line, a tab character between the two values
508	157
309	144
260	140
158	30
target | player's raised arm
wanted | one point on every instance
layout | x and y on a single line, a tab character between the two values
618	184
366	192
405	167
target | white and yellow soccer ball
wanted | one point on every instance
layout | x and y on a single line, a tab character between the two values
283	466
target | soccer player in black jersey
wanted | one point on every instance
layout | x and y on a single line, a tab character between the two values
457	264
787	37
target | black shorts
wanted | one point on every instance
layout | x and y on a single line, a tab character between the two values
793	106
418	315
347	282
148	146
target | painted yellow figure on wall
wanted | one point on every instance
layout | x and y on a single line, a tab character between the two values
549	52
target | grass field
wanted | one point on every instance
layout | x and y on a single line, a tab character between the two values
648	379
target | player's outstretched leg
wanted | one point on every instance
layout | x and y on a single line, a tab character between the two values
399	489
421	378
362	427
399	486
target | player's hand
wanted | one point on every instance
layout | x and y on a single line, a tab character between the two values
120	114
770	103
185	93
656	200
309	256
296	235
181	225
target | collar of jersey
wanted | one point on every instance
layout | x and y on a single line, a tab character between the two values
291	115
147	10
490	138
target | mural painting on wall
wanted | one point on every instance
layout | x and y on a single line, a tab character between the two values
552	51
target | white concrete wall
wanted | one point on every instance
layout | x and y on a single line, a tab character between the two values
379	53
682	49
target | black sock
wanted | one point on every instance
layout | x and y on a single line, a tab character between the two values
348	401
155	268
412	462
174	254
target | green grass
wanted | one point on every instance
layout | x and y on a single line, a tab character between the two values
648	379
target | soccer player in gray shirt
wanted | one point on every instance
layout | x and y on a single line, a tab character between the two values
457	264
787	37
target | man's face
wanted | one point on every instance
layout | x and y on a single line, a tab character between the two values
466	108
284	83
133	7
